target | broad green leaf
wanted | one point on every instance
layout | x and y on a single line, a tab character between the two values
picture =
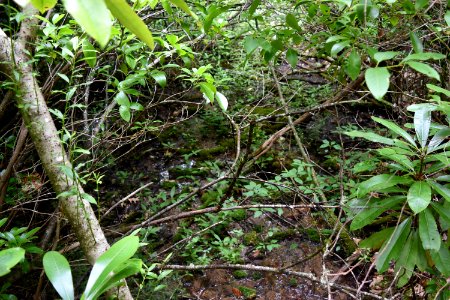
125	113
392	154
438	89
338	47
443	212
424	56
98	24
114	257
184	7
447	17
380	182
208	90
428	231
89	53
43	5
128	18
88	198
353	65
373	209
136	106
407	260
122	99
437	139
253	7
376	240
396	129
127	269
222	101
420	4
424	69
440	189
422	122
377	80
58	271
250	44
292	22
335	38
392	247
382	56
9	258
419	196
292	57
441	259
213	12
416	42
160	77
373	137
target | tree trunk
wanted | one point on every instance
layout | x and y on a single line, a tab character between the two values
33	108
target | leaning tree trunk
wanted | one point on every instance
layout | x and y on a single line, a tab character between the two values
15	59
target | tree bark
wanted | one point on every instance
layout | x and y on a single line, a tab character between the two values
16	63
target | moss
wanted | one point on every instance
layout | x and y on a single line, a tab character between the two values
248	293
209	198
238	215
251	238
168	184
282	235
239	274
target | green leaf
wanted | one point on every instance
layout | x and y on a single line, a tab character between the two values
208	90
382	56
9	258
222	101
184	7
89	198
338	47
392	154
441	259
380	182
396	129
125	113
353	65
376	240
250	44
113	258
122	99
373	137
440	189
292	22
424	56
422	122
416	42
373	209
420	4
136	106
407	259
424	69
438	89
377	80
442	211
447	17
98	24
392	247
160	77
292	57
128	18
58	271
428	231
127	269
213	12
419	196
43	5
253	7
89	53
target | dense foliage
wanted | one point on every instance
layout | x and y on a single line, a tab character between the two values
221	132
